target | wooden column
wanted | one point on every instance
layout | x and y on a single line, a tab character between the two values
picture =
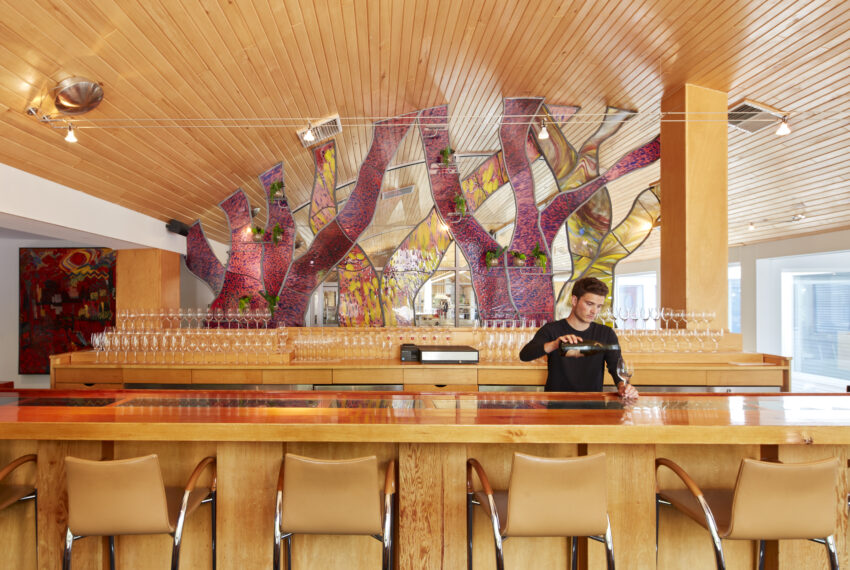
694	215
147	279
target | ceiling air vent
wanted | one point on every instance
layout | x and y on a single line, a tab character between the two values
396	192
752	116
323	130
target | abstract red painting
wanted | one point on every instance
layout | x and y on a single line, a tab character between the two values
66	294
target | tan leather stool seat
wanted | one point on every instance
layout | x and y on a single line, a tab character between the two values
127	497
546	497
333	496
770	501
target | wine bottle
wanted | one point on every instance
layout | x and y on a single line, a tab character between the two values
588	347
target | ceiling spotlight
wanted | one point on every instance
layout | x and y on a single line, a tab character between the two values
751	227
543	134
798	217
783	129
309	136
71	137
255	211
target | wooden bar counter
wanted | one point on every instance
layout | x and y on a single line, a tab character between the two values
431	435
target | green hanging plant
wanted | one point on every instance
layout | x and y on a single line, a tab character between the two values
518	257
539	255
272	301
460	204
446	155
257	232
491	258
244	302
277	232
276	189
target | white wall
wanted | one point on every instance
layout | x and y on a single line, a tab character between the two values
761	291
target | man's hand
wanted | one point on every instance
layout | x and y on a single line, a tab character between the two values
627	391
556	344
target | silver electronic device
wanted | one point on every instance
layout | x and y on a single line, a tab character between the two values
432	354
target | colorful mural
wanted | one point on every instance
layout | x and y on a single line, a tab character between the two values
66	294
410	266
510	282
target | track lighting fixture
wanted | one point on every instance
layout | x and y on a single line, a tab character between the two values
543	134
783	129
71	137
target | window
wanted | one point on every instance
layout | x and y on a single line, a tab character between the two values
821	325
734	297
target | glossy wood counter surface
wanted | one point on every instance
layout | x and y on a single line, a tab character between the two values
430	435
438	417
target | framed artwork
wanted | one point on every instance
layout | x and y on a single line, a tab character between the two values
66	294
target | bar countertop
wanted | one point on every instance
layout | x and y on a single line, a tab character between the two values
145	415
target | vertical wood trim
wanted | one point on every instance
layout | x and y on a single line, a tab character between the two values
147	278
694	209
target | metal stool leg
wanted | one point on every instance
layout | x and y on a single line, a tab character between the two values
213	511
833	555
609	547
761	555
69	545
574	553
470	515
111	553
289	552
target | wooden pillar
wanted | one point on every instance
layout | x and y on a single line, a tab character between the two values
147	279
694	170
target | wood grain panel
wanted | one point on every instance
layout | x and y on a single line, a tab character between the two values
298	376
631	506
519	376
758	377
458	376
366	376
247	476
17	522
88	375
158	375
432	504
53	505
227	376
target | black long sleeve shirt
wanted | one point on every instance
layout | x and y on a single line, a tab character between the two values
568	374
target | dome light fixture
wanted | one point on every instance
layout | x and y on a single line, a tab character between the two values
783	129
308	135
544	133
71	137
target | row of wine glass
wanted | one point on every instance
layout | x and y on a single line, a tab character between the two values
189	346
156	319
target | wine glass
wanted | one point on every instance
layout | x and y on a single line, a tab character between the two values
625	370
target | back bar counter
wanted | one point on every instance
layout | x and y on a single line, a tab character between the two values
431	435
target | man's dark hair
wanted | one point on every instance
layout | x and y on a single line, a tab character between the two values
589	285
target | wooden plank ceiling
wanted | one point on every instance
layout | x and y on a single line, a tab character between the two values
165	64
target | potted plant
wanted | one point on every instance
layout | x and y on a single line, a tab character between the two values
518	256
460	204
447	156
276	190
491	258
257	233
272	301
540	257
277	232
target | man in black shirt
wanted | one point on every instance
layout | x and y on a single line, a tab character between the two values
574	372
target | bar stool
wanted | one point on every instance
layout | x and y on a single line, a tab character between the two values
323	496
128	496
11	494
557	497
770	501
